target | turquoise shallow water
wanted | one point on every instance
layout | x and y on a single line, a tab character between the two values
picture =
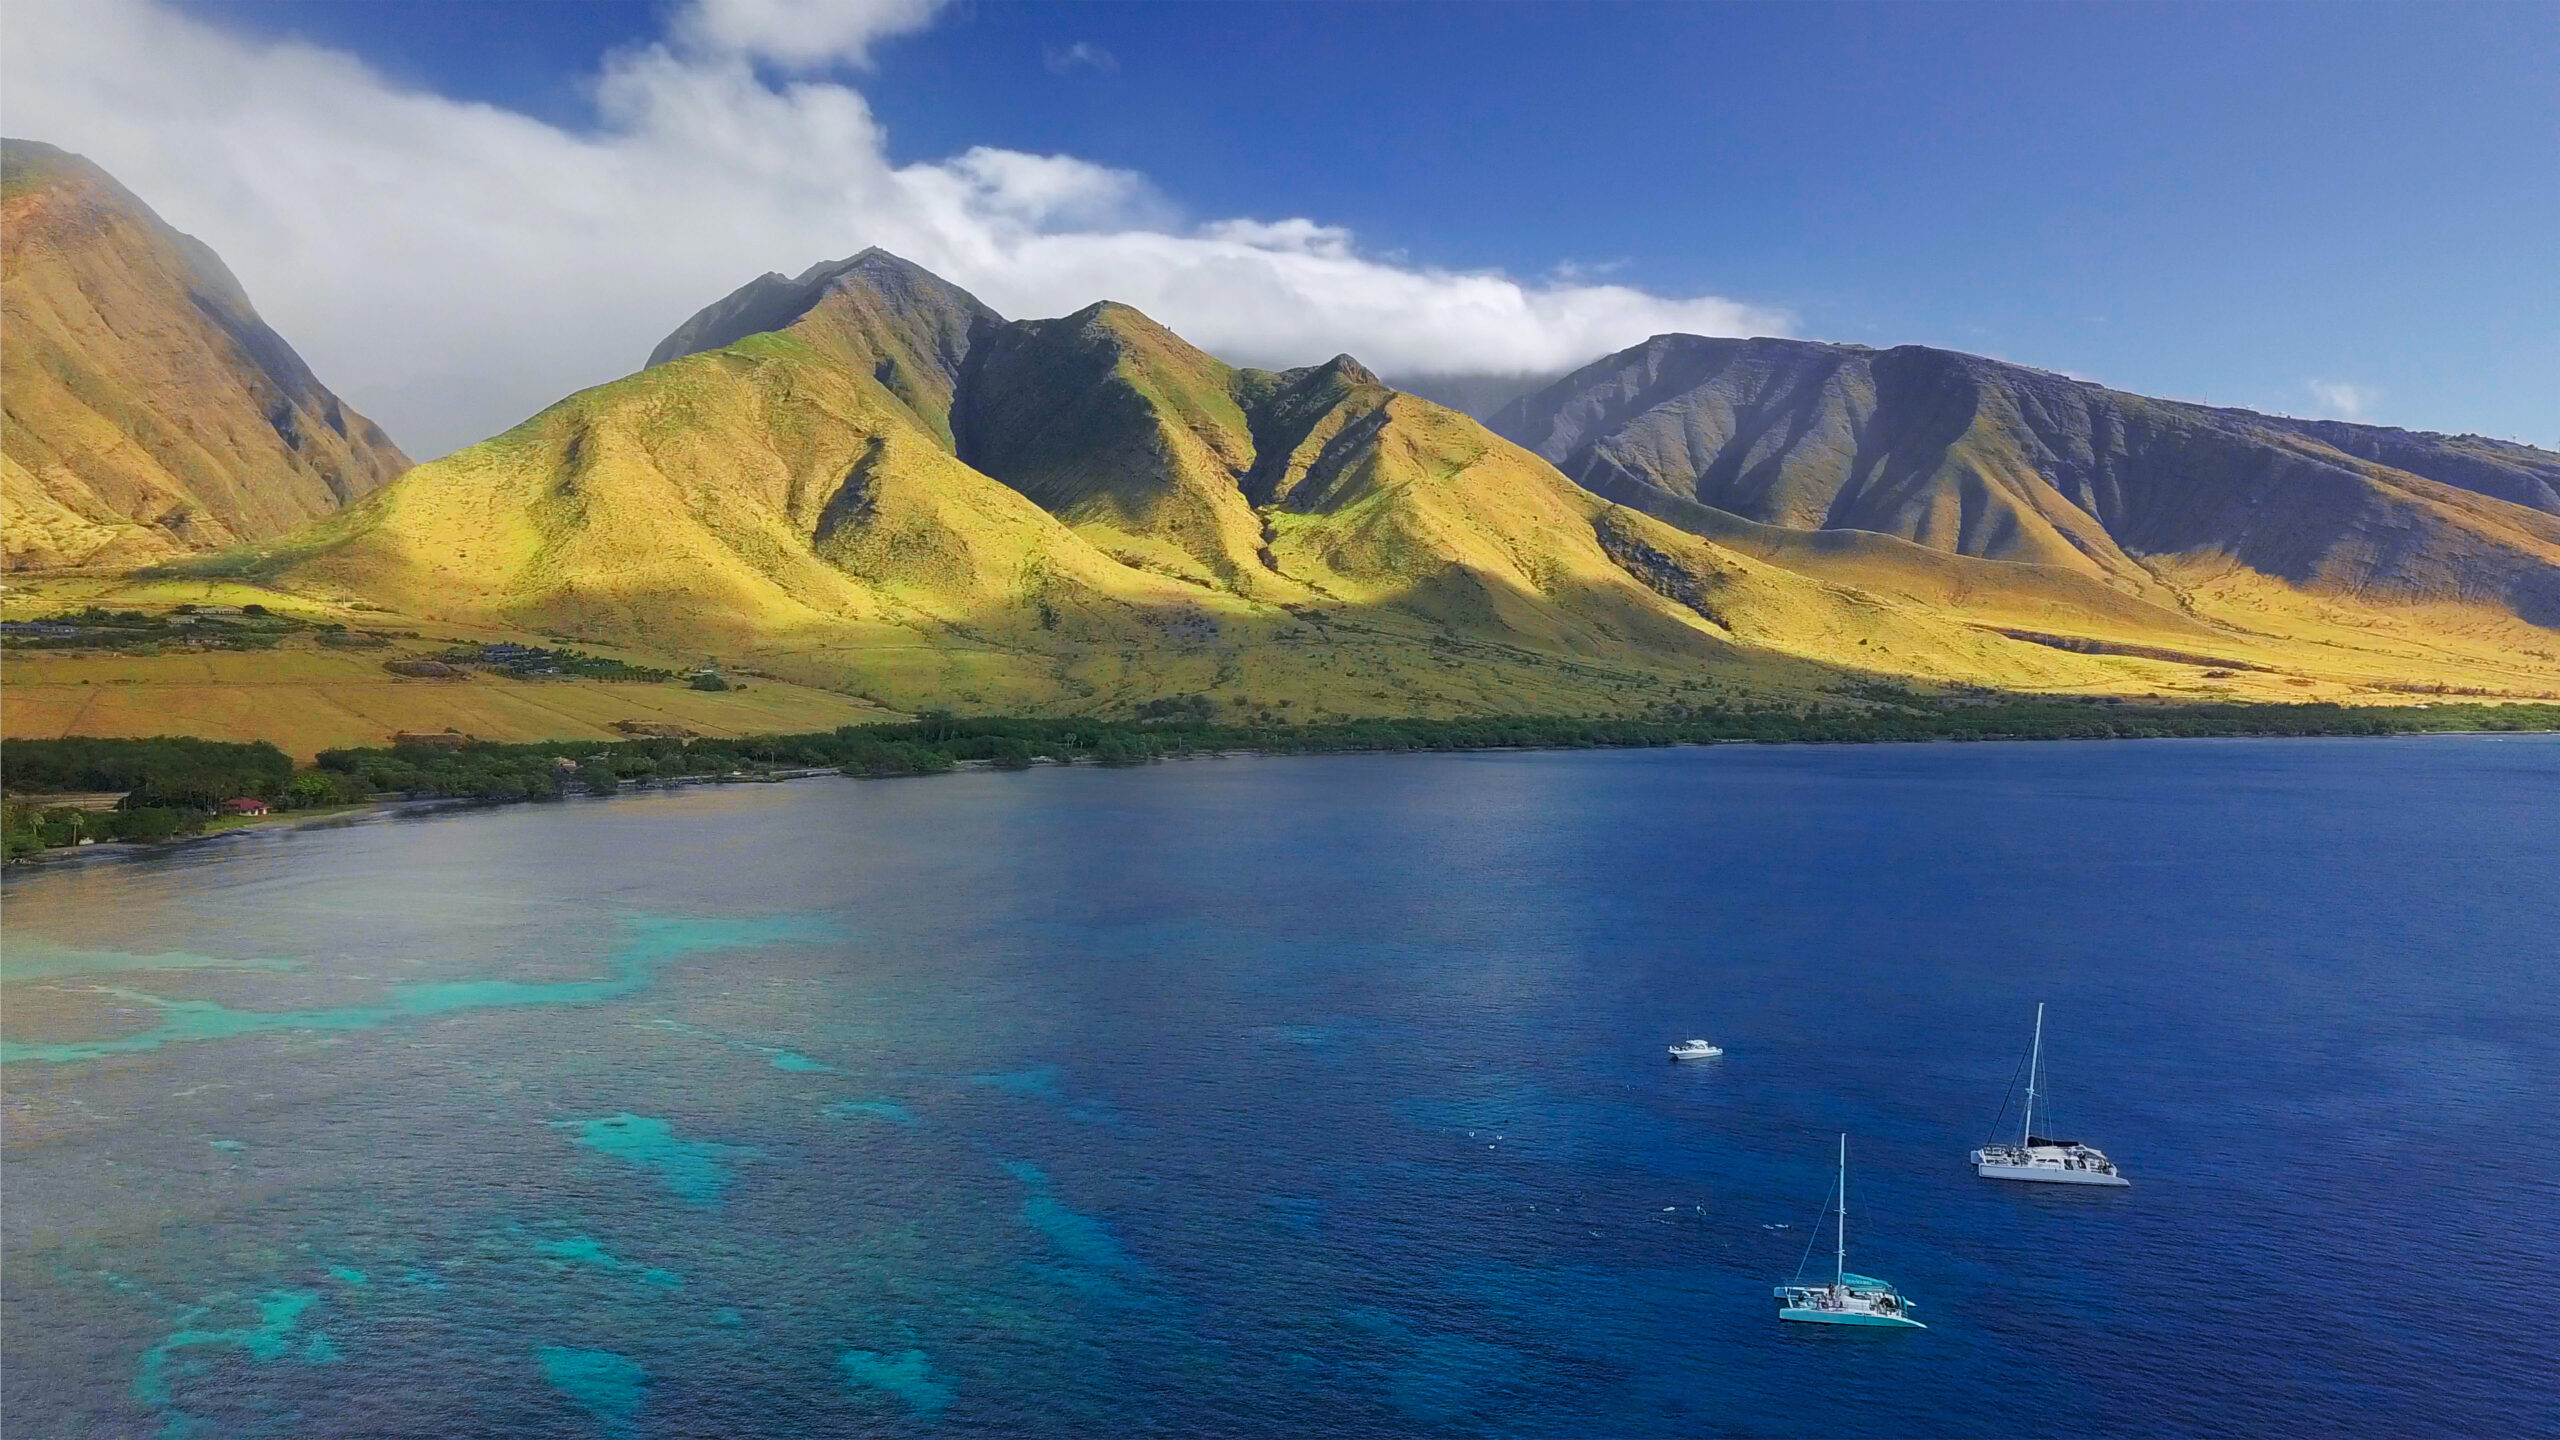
1260	1097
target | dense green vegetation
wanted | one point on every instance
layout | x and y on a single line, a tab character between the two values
171	786
186	627
26	827
166	769
1898	718
534	662
179	781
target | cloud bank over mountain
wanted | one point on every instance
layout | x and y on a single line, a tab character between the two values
455	266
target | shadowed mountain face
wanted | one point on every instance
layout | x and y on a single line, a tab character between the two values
2501	468
1975	457
1108	420
150	412
1163	453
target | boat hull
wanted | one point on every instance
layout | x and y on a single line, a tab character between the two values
2047	1175
1849	1317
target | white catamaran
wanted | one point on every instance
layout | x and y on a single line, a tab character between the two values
1848	1299
2040	1157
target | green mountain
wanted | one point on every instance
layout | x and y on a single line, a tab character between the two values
149	411
895	495
1101	515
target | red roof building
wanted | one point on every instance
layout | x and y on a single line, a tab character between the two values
244	806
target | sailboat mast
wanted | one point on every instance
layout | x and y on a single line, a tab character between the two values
2035	1057
1840	1255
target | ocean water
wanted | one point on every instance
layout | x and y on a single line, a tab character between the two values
1269	1097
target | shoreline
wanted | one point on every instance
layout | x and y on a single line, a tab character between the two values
105	851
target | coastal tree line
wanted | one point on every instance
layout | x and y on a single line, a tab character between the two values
174	786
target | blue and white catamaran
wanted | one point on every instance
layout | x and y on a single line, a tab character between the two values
1848	1299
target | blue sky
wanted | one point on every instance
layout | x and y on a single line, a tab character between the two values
2316	209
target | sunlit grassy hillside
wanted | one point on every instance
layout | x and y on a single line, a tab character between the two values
897	502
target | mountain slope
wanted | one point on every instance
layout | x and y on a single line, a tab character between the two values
902	498
1974	457
1148	522
1116	425
2501	469
710	504
1370	497
1322	487
149	411
910	328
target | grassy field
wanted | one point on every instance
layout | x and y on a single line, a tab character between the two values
306	698
309	703
1255	664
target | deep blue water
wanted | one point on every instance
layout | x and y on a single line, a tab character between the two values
1262	1097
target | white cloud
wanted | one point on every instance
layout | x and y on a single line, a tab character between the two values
2340	400
451	267
1300	237
1082	55
1045	192
1586	269
799	34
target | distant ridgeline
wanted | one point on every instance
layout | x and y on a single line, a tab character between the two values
1970	456
193	778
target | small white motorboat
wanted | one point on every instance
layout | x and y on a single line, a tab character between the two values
1694	1050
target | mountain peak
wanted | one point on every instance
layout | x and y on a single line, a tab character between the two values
877	266
872	311
1119	320
774	301
1349	371
32	164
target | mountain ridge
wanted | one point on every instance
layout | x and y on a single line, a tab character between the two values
1116	516
1980	457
